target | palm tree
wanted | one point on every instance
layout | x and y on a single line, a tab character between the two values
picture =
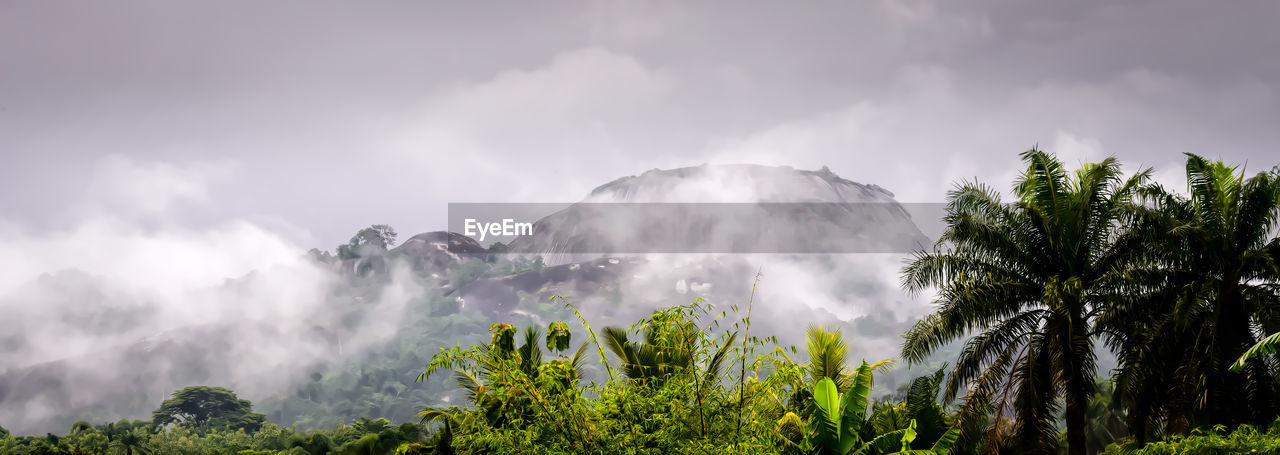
504	382
80	426
827	351
1031	278
132	443
671	344
668	347
1209	287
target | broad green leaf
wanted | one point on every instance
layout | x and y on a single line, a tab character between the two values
943	446
909	435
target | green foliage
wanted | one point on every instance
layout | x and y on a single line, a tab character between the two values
1178	287
827	351
135	442
674	396
1244	439
833	427
1031	277
1268	345
504	336
558	336
202	408
917	407
668	346
1204	293
364	436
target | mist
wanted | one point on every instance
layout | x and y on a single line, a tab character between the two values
236	303
180	181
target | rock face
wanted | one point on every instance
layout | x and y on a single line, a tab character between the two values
737	183
497	297
725	209
802	220
436	250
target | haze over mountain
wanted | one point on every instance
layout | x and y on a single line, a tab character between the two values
325	336
726	209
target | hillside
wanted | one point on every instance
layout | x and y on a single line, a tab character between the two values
359	329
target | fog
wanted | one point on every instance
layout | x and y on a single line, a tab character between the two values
238	301
168	166
127	303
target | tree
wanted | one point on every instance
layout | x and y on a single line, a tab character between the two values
827	351
370	425
1208	287
323	257
313	444
80	426
668	347
132	443
203	407
370	241
1031	277
91	441
502	379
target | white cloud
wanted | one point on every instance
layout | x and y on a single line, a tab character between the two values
125	187
123	232
931	131
523	128
237	284
1075	150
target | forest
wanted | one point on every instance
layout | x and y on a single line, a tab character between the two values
1181	287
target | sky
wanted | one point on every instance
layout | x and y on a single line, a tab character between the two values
264	127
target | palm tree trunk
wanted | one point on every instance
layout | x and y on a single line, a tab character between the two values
1138	420
1233	330
1076	426
1139	428
1078	384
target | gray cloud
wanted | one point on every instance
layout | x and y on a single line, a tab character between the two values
330	116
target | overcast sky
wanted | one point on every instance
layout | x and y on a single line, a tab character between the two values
311	119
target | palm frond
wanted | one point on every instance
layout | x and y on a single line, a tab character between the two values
716	364
1268	345
827	351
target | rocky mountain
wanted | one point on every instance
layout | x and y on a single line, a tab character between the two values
725	209
438	250
344	337
737	183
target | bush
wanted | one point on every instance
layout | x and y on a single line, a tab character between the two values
1245	439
